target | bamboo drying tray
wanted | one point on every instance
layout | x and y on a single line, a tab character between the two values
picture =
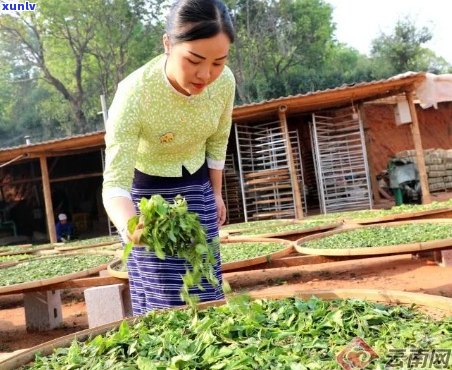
289	234
371	251
69	248
44	282
443	305
29	249
234	265
236	228
258	260
432	213
116	273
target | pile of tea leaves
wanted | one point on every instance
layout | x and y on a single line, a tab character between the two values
287	334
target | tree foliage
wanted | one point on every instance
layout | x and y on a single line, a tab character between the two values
57	61
403	50
81	49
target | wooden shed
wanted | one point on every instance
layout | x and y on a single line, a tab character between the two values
38	172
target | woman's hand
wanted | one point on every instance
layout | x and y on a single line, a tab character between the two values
221	209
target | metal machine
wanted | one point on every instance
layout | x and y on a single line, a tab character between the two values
404	181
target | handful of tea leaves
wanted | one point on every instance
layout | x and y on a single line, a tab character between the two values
171	230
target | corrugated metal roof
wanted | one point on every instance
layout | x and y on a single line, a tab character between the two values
329	98
67	138
77	143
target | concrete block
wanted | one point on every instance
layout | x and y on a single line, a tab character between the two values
105	304
444	258
43	310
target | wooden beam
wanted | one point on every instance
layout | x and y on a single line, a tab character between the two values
372	174
48	199
69	145
58	179
77	177
292	170
415	132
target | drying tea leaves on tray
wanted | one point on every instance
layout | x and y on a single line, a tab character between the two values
299	226
16	257
255	224
379	236
241	251
287	334
170	229
46	268
26	247
376	213
93	241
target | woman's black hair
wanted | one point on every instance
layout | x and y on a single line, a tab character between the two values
191	20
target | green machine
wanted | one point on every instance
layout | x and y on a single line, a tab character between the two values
404	181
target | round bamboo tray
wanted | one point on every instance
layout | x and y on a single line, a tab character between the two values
68	248
237	228
234	265
115	273
442	305
13	262
258	260
373	251
54	280
29	250
289	234
433	213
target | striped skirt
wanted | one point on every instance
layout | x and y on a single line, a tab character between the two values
156	283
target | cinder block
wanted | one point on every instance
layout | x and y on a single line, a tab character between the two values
444	258
43	310
105	304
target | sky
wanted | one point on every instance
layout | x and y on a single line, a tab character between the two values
358	22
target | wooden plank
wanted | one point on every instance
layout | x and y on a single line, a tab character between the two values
266	173
415	132
48	199
267	180
273	200
293	171
271	187
373	176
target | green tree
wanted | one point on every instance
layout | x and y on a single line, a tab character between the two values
80	48
277	40
403	50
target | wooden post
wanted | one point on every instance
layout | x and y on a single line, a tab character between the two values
372	174
48	199
290	161
426	198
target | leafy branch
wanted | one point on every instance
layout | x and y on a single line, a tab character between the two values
169	229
